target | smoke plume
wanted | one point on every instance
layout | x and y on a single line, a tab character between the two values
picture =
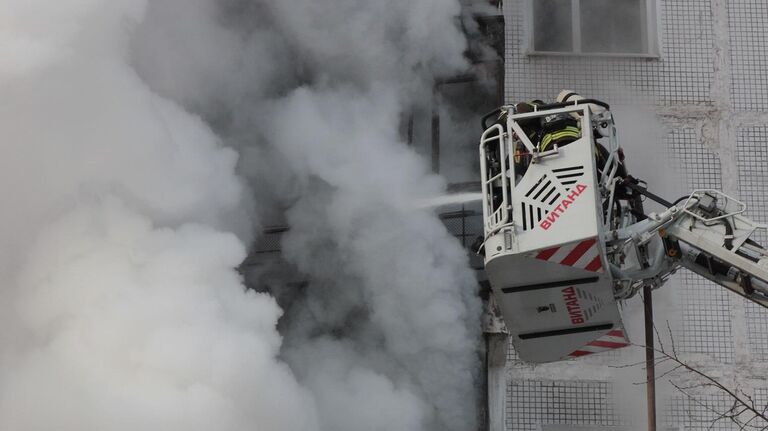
142	142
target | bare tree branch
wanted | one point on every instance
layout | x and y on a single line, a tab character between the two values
742	412
743	403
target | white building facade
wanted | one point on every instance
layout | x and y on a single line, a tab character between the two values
689	82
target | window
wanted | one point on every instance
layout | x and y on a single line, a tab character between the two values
592	27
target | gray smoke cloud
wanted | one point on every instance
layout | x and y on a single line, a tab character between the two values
143	141
315	95
380	264
121	308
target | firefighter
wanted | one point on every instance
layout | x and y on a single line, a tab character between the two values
558	129
601	153
623	191
544	133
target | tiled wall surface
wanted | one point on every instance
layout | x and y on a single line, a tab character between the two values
748	35
709	86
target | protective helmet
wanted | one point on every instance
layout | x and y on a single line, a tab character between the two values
568	96
572	96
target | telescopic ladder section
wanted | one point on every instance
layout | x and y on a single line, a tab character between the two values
712	239
707	234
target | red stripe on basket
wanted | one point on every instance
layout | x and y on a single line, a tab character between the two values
595	265
577	252
546	254
607	344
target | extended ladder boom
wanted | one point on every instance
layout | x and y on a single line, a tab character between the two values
706	234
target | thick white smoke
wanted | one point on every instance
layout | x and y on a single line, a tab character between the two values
371	253
312	93
121	308
126	326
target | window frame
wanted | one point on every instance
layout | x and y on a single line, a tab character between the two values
649	26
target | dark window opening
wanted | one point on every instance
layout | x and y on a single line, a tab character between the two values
552	25
591	26
613	26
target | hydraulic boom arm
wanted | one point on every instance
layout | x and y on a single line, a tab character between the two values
707	234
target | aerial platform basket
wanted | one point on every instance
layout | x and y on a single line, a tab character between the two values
544	245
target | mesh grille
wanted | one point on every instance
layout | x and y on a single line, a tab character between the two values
532	403
751	153
757	331
466	223
268	242
699	166
685	75
749	54
699	414
706	319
